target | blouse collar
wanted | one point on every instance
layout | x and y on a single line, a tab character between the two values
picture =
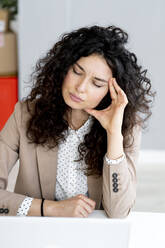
84	128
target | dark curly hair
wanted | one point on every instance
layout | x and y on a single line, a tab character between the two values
47	123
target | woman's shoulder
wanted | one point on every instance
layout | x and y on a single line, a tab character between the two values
24	105
23	110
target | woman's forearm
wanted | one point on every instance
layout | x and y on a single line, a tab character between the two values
49	208
35	209
114	145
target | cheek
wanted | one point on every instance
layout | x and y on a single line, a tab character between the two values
65	87
66	82
97	97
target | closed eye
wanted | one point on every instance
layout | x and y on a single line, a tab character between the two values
78	73
97	85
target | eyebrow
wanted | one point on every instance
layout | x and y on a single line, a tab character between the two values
99	79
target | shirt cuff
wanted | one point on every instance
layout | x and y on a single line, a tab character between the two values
24	207
114	161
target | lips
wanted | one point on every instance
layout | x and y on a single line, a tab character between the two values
76	97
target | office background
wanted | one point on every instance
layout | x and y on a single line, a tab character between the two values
42	22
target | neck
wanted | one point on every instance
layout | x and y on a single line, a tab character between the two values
77	118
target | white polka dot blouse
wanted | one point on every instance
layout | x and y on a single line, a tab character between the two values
70	180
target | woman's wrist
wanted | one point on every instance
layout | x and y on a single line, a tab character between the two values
35	209
114	161
50	208
114	145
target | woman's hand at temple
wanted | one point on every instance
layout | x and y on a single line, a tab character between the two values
111	118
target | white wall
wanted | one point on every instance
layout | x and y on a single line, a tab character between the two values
41	22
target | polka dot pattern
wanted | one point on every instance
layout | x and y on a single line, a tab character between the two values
71	180
24	207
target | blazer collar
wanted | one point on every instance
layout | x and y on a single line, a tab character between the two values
47	167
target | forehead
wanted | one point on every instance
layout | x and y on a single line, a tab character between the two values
95	64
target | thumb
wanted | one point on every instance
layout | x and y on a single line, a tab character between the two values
92	112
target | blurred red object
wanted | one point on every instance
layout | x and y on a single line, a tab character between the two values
8	98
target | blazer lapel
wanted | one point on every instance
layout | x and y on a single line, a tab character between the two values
47	166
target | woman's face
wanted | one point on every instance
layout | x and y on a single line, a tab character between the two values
87	79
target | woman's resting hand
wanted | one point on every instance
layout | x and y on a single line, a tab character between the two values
77	206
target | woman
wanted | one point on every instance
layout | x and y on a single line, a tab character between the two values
77	134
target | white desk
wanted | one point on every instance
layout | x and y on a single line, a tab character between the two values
147	229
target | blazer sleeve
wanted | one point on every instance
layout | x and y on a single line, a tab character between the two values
119	181
9	154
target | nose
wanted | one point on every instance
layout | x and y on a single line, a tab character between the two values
82	85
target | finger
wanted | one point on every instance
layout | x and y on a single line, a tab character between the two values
84	208
113	93
83	212
117	87
88	200
122	98
87	207
93	112
81	215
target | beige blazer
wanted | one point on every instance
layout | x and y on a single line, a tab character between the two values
38	165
